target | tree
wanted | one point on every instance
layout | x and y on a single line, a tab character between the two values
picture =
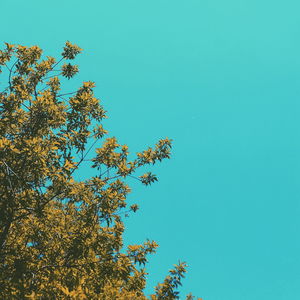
62	238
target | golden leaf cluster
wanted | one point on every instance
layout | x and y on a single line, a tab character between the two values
60	237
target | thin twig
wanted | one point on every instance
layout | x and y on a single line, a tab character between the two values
66	94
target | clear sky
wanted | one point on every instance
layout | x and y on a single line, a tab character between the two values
222	79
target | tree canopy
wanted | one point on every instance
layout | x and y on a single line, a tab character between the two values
61	238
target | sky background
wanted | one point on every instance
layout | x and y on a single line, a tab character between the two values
221	78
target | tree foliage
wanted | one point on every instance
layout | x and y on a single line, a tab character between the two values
61	238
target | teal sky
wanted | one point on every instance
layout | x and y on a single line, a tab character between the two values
222	79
